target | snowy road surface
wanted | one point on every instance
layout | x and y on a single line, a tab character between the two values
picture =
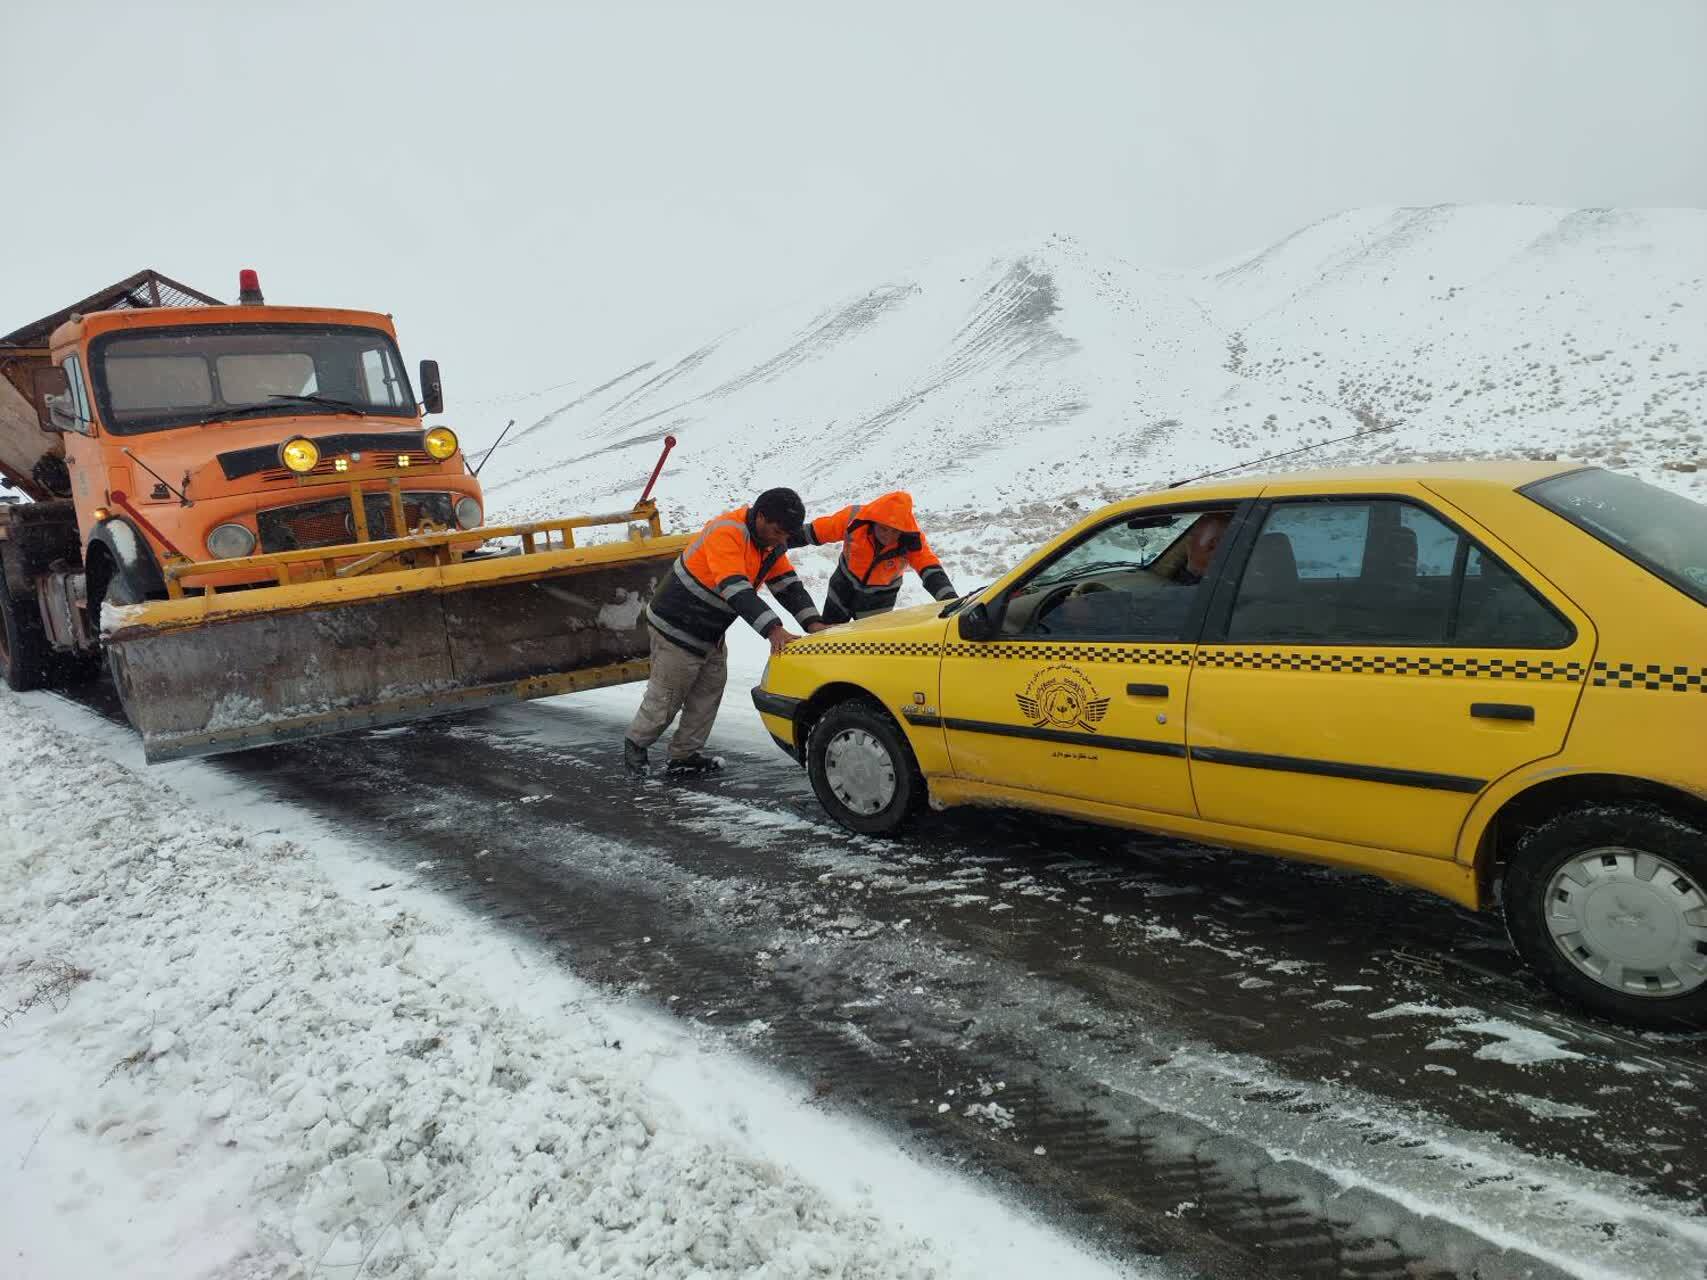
1238	1066
232	1046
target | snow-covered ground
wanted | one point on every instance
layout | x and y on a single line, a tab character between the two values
232	1046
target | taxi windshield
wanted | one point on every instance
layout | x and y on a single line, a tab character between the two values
156	379
1662	531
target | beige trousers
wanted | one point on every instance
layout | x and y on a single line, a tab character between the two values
682	683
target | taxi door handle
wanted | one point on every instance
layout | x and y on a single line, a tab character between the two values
1502	711
1147	690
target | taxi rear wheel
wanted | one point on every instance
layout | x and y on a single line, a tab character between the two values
862	769
1609	904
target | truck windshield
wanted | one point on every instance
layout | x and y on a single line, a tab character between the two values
1662	531
156	379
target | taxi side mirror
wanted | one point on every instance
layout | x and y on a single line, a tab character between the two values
977	623
432	390
53	398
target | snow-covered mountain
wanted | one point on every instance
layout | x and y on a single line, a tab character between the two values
1020	379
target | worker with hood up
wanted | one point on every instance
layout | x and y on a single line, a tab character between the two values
879	540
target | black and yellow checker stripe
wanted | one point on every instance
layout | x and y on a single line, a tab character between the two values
1651	676
867	648
1657	677
1385	665
1179	657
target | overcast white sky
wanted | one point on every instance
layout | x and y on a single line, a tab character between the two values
540	191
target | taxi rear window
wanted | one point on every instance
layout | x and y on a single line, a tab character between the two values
1662	531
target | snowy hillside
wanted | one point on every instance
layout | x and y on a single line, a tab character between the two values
1001	382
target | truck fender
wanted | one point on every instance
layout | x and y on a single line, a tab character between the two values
128	569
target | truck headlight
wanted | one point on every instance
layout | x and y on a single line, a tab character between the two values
468	513
299	454
229	541
440	443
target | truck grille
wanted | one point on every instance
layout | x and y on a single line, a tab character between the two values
238	463
418	458
327	524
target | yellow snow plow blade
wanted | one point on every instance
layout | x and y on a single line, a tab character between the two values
377	633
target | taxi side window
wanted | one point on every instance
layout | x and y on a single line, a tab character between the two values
1359	571
1497	609
1137	579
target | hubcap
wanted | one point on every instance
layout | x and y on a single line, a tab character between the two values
1631	920
859	772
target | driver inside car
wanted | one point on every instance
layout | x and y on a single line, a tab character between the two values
1099	608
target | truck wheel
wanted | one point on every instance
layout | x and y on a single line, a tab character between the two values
71	669
1609	904
863	770
25	655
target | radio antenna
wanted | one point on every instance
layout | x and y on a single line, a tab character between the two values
494	449
1275	457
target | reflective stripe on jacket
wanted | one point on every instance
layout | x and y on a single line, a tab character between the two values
716	580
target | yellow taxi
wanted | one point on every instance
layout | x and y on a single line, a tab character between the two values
1486	680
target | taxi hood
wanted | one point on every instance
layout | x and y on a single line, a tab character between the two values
914	618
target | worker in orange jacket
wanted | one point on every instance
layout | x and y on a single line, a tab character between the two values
713	582
879	540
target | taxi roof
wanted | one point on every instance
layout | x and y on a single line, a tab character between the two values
1505	475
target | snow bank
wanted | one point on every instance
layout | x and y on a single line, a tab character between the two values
224	1060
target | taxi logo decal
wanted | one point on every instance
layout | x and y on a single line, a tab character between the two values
1062	697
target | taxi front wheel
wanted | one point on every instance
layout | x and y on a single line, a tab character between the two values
862	769
1609	904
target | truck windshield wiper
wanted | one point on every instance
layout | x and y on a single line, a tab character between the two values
326	400
227	411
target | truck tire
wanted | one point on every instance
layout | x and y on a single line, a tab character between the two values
26	658
1608	903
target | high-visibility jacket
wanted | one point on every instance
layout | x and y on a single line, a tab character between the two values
868	576
716	580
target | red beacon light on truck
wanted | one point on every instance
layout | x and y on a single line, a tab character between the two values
249	288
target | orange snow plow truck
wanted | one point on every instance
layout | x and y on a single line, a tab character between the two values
242	508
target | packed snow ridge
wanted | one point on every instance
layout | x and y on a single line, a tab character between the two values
1017	378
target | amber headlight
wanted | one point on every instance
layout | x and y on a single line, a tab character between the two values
299	454
230	541
441	442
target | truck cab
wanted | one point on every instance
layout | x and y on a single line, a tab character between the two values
176	440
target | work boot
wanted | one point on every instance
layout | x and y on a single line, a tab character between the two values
698	762
634	758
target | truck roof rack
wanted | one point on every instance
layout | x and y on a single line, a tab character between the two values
146	288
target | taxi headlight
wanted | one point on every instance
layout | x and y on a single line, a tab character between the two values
441	443
468	513
299	454
230	541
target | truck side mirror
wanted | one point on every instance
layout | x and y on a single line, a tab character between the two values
432	390
53	398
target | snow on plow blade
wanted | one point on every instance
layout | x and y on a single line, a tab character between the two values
205	674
